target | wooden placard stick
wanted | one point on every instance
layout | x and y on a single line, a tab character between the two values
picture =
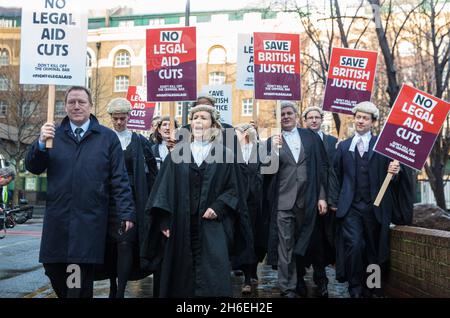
278	116
384	187
50	112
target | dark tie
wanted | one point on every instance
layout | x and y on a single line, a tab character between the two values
78	132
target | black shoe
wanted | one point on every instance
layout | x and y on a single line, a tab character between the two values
301	288
288	295
322	290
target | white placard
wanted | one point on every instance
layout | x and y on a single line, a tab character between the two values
223	96
244	77
53	43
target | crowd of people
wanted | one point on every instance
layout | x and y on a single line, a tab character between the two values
189	207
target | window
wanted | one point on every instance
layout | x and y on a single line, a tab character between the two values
60	110
28	109
121	83
236	16
247	107
156	21
157	111
204	18
30	87
122	59
216	78
4	57
88	60
269	15
217	55
4	83
179	112
3	108
126	23
88	82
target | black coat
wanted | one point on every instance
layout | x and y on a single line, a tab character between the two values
229	234
317	168
81	180
252	182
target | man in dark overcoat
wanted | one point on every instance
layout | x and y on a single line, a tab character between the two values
85	170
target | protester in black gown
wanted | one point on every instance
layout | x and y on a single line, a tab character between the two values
122	251
249	162
192	205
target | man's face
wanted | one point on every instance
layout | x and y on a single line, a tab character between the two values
119	121
78	107
313	120
5	180
363	122
288	118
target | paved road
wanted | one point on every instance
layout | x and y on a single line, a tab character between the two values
21	275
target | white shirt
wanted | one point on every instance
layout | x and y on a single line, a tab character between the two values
85	127
163	150
124	137
246	151
200	150
365	138
293	141
320	133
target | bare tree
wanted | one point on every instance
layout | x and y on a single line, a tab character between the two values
429	30
21	120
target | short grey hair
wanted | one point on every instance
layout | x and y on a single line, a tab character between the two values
287	103
8	172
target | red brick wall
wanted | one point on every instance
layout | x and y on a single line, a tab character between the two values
420	263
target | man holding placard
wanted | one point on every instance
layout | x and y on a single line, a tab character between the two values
85	170
363	229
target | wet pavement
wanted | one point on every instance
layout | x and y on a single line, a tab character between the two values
22	276
266	288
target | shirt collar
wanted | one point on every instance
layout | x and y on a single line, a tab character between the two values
290	132
85	126
320	133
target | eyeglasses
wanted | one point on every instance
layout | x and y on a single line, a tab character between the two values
311	118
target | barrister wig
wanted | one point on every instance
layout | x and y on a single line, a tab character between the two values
310	109
119	105
247	128
368	108
215	124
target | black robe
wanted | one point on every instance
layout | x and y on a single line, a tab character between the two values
144	173
228	235
252	181
317	169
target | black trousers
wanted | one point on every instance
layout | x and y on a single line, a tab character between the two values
361	233
62	280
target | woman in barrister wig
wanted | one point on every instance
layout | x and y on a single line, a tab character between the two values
122	250
193	205
249	162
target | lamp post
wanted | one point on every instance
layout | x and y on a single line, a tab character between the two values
184	108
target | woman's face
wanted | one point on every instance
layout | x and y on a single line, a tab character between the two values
200	125
164	130
241	136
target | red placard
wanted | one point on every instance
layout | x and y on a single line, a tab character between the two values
171	64
277	66
412	127
142	111
350	79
